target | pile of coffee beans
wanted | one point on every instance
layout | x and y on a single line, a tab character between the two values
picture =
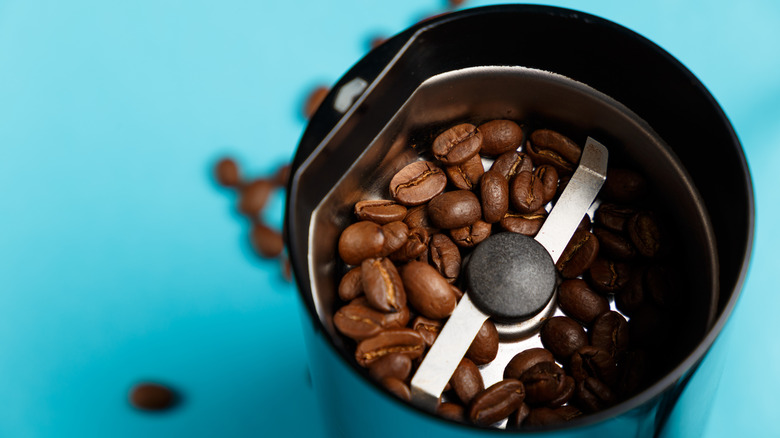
402	276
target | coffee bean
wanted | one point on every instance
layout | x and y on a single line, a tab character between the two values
428	292
549	147
445	256
428	328
517	417
314	100
152	397
454	209
608	276
585	223
227	173
266	242
359	322
579	302
565	394
380	211
511	163
496	402
543	383
360	241
527	224
396	235
614	245
629	299
254	196
457	292
596	362
613	217
466	176
398	388
524	360
526	192
467	381
416	244
623	185
471	235
549	178
351	285
644	233
578	255
562	336
395	365
484	347
542	416
457	144
417	183
417	217
499	136
494	192
593	395
398	340
610	332
282	176
451	411
568	412
382	285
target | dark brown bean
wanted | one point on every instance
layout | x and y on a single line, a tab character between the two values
395	365
267	243
416	245
152	397
549	147
398	340
351	285
527	224
396	235
467	381
524	360
428	328
457	144
542	416
466	176
644	233
624	185
614	245
499	136
565	394
526	192
568	412
382	285
549	178
578	255
517	418
543	382
417	183
454	209
445	256
360	241
593	395
254	196
359	321
452	411
579	302
494	193
596	362
484	347
610	332
314	100
496	402
471	235
608	276
585	223
511	163
428	292
381	211
398	388
227	173
417	217
562	336
613	217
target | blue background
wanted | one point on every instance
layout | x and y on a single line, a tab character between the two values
122	261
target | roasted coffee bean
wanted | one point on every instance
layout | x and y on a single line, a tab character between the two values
396	235
549	147
227	173
632	297
428	328
454	209
427	291
381	211
549	178
499	136
360	241
451	411
613	217
568	412
445	256
467	381
610	332
466	176
644	233
417	183
565	394
457	144
398	388
524	360
351	285
254	196
397	340
585	223
661	284
382	285
562	336
608	276
494	192
579	302
484	347
517	418
511	163
578	255
282	176
543	382
596	362
614	245
417	217
471	235
395	365
152	397
266	242
542	416
623	185
359	321
593	395
527	224
314	100
416	245
457	292
526	192
496	402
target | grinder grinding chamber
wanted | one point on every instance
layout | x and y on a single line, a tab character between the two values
560	68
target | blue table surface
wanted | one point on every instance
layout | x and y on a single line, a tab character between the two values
121	260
